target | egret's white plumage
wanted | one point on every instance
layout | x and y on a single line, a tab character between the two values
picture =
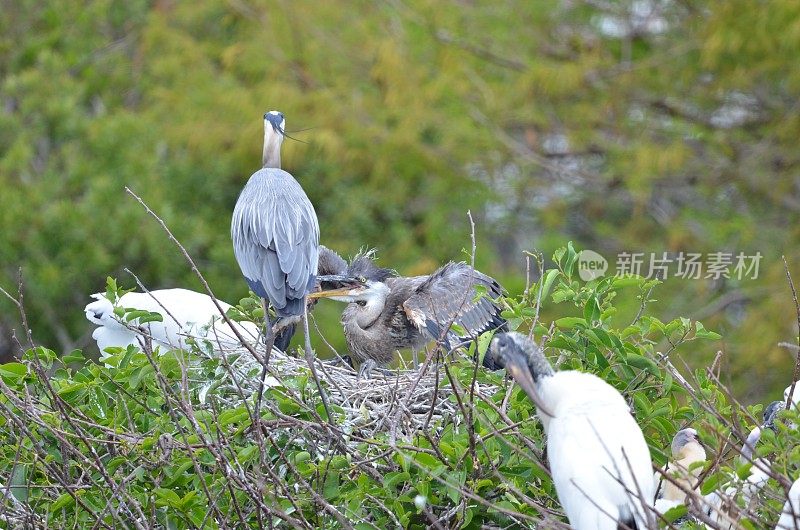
185	314
790	516
599	459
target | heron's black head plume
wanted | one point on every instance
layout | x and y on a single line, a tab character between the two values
277	121
363	266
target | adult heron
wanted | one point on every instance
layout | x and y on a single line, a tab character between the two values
598	456
387	312
275	236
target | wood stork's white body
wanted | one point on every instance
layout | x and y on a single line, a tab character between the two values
795	394
185	314
599	459
687	452
790	516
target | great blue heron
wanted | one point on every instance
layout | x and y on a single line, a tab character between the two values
598	456
276	235
386	312
184	314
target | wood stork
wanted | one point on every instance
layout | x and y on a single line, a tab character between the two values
598	456
186	314
790	516
795	394
721	505
687	452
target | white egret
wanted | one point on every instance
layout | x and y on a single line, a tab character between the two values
185	314
598	456
795	394
721	505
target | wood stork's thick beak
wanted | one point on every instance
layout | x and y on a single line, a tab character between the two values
517	367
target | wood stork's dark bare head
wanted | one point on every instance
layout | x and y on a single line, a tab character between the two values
523	359
771	413
274	131
683	438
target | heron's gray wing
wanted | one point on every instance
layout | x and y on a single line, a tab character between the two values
330	262
449	295
275	239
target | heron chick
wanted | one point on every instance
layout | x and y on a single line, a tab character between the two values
387	312
599	460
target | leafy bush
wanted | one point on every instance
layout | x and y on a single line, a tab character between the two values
169	439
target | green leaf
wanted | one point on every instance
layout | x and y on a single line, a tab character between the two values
643	363
391	480
570	322
166	497
331	488
75	356
546	284
484	340
13	373
702	333
63	500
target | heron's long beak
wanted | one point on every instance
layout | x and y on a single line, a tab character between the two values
517	367
333	285
341	291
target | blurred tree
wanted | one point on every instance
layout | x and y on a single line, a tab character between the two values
638	126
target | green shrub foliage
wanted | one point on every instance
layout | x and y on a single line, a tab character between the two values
166	441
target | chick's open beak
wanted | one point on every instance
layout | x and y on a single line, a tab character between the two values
336	285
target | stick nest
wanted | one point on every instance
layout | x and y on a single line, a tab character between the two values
398	402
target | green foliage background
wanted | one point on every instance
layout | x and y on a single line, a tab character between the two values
171	441
625	126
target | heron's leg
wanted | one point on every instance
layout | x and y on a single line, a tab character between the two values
310	360
269	336
365	370
341	360
415	356
309	351
283	322
269	341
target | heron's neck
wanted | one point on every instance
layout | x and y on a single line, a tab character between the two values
272	150
375	300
